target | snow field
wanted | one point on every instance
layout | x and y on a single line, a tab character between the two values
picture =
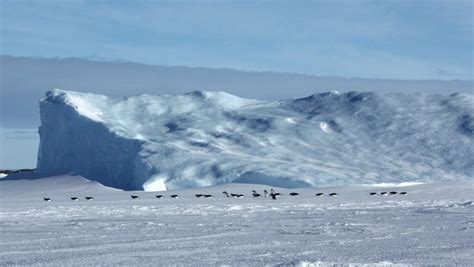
432	225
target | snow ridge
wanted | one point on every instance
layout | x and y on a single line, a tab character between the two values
206	138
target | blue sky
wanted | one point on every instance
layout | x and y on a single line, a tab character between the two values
372	39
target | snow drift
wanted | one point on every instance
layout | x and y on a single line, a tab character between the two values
207	138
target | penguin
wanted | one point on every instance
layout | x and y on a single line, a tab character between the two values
255	194
294	194
89	198
265	192
47	199
199	195
208	196
319	194
174	196
403	193
225	194
273	194
384	193
373	193
74	199
134	197
333	194
393	193
159	196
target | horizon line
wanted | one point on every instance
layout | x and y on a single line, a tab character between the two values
124	61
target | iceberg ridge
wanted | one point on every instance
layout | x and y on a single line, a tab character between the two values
206	138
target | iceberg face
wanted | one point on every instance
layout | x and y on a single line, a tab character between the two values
207	138
72	140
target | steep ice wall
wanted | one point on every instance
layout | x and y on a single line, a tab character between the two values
207	138
73	138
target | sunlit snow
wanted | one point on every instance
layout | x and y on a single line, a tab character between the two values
432	224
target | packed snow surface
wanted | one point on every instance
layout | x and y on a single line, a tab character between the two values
208	138
433	224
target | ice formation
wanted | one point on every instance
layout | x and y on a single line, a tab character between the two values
207	138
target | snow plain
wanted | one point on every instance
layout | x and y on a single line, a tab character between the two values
432	225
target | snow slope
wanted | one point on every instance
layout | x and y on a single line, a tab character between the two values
433	224
208	138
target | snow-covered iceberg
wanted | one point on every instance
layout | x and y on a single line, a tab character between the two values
207	138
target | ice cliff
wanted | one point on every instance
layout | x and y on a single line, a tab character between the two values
207	138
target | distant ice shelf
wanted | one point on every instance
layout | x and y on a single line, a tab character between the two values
207	138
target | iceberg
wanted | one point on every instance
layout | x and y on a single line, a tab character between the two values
203	138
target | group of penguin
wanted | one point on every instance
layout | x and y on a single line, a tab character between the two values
384	193
48	199
272	194
157	196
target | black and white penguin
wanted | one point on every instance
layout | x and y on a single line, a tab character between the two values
74	199
208	196
134	197
159	196
273	194
199	195
384	193
174	196
373	193
47	199
265	192
393	193
225	194
255	194
294	194
333	194
403	193
89	198
319	194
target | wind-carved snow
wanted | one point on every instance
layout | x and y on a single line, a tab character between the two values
208	138
404	184
325	127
